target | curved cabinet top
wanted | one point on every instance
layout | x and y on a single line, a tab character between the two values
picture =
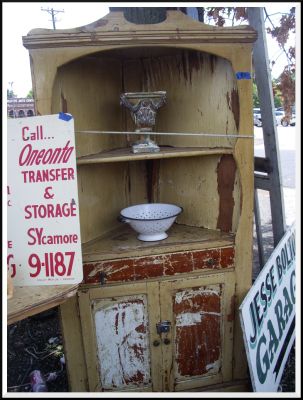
114	30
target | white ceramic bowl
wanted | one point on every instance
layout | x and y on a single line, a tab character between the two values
150	220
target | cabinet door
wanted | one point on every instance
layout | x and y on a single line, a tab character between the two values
118	326
197	351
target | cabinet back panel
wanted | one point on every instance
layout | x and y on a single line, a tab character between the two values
89	89
194	184
103	191
202	95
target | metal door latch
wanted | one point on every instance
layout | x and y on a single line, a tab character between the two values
102	278
163	327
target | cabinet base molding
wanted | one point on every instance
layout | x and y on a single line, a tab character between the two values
243	385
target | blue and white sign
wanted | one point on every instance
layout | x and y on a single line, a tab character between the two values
267	316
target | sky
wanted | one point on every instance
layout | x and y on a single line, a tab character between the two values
21	17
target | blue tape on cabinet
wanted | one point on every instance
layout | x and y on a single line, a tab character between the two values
65	117
243	75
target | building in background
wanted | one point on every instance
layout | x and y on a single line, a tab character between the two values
20	107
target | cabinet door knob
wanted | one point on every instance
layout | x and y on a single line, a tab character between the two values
166	341
156	343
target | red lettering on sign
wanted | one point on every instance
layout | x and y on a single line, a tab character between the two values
23	133
30	156
50	210
37	236
52	264
10	257
48	175
37	135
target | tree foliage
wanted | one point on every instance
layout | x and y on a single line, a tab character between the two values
219	15
285	84
10	94
278	101
256	101
30	94
276	94
286	81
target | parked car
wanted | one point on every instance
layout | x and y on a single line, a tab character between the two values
280	118
286	121
293	120
257	117
257	120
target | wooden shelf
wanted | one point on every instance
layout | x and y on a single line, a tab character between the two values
125	154
31	300
123	243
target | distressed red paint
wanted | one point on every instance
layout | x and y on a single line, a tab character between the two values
198	344
227	257
137	378
205	302
119	270
113	271
231	315
138	351
116	323
234	106
226	173
123	317
141	328
88	270
178	263
148	267
206	259
140	268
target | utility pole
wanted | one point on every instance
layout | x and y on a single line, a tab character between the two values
12	92
270	182
53	13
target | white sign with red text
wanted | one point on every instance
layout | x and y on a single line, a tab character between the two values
44	243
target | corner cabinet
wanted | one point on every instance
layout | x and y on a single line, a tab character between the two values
156	316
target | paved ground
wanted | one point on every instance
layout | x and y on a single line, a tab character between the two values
287	142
